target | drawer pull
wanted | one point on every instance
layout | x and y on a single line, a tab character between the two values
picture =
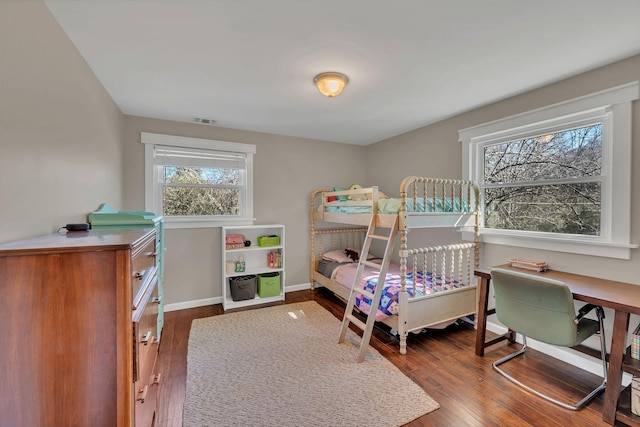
152	254
145	340
156	379
140	275
156	300
142	394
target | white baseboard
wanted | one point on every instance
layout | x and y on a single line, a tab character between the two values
301	287
218	300
192	304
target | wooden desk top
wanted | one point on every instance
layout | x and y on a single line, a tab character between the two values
606	293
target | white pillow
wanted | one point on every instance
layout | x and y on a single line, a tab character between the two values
338	255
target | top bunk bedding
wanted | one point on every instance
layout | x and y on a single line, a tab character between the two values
423	202
393	206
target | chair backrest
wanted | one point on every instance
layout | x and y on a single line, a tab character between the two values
535	306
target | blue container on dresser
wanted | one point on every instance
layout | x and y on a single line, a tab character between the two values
107	217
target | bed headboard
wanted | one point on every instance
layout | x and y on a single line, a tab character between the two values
325	240
336	238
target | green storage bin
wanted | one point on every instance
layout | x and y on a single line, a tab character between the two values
268	240
268	285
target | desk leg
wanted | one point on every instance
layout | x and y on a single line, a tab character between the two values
614	373
481	326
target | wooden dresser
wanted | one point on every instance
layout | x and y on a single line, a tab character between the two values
78	329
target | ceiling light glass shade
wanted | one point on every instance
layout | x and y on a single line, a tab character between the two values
330	84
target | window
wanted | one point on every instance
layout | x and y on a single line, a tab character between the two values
198	182
549	183
557	178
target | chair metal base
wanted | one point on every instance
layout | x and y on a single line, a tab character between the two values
574	407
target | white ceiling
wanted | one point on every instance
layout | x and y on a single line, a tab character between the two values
249	64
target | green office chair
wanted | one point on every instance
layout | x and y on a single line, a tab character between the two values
543	309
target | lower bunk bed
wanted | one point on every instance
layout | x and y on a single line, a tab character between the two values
425	286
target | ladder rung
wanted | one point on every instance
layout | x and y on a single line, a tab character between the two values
349	317
378	236
360	324
364	292
371	264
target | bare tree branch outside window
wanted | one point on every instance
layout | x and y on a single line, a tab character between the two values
200	191
547	183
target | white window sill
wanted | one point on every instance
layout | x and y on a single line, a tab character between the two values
176	223
582	246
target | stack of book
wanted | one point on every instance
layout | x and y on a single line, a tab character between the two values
529	265
635	343
274	259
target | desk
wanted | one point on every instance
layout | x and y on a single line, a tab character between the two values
623	298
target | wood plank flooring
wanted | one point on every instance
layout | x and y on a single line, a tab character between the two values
443	363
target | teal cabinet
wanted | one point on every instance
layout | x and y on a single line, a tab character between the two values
107	217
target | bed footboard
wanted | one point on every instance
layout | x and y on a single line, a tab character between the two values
435	309
454	295
453	263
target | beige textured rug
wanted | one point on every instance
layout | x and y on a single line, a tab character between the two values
283	366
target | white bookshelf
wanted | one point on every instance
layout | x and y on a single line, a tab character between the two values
256	261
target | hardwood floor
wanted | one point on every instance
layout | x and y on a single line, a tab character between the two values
443	363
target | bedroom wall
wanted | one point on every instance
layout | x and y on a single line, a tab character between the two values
286	170
60	132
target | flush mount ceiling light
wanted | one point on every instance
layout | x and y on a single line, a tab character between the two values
330	84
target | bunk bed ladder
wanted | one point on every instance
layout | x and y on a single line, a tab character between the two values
356	289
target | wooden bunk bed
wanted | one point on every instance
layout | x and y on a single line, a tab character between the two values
425	285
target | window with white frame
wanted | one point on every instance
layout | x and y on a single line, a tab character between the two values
198	182
557	178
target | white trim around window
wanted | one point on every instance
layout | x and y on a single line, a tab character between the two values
614	108
152	191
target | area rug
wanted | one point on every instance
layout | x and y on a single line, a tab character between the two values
283	366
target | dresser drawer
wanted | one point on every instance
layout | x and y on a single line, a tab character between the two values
145	327
146	399
145	355
143	268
